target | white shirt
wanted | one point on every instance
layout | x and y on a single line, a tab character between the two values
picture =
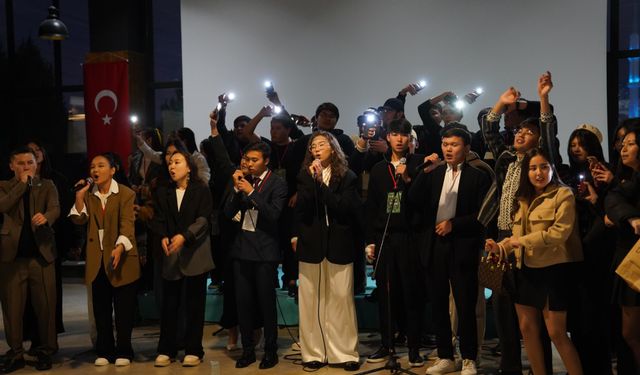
179	197
449	194
113	189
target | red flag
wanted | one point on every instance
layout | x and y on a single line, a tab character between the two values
106	98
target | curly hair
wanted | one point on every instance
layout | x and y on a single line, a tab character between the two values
337	160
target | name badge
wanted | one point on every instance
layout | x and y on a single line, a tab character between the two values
250	220
393	202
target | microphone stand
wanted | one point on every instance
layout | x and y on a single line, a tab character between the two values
392	364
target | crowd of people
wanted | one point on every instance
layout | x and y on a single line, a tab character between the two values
420	203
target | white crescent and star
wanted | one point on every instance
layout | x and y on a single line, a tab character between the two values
106	120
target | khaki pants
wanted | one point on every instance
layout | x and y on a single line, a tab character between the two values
327	313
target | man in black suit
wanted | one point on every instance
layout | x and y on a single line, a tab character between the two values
450	195
259	198
389	214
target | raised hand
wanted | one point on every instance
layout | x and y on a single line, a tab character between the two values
545	84
509	97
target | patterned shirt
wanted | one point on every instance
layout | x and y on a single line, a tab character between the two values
509	189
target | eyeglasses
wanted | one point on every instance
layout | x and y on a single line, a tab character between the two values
318	145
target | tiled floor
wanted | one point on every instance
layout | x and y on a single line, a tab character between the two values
75	354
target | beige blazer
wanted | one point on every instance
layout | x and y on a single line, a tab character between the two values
117	220
43	199
547	229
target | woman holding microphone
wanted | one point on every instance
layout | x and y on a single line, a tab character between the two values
326	211
112	265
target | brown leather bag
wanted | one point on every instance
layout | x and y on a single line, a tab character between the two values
492	268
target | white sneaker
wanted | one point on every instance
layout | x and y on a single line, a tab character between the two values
442	366
162	361
101	361
468	367
122	362
190	361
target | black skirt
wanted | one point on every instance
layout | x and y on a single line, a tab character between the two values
555	284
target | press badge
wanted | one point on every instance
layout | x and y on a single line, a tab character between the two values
393	202
100	237
250	220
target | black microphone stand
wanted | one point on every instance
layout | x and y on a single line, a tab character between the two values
392	364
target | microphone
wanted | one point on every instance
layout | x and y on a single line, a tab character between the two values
29	181
315	171
87	181
403	161
424	165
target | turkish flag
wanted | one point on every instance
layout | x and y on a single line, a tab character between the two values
106	98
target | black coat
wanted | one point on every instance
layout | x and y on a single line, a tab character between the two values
467	232
192	222
269	200
316	240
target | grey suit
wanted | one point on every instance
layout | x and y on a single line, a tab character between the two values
36	271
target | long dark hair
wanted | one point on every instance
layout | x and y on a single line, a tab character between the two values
337	161
624	172
526	190
46	170
193	173
156	138
589	143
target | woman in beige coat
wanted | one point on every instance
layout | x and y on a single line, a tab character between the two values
112	258
546	243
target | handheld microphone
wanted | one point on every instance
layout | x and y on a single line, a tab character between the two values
29	181
87	181
424	165
402	161
315	171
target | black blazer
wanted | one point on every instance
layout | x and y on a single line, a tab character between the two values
192	222
316	241
467	232
261	245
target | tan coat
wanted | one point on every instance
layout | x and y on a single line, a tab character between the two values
547	229
118	220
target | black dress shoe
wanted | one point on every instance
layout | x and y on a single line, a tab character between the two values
246	359
269	360
314	365
44	362
352	366
12	364
379	356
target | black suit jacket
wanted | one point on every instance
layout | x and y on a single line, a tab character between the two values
192	222
316	240
261	245
467	232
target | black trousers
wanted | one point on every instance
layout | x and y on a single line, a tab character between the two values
195	296
458	268
398	283
255	290
106	299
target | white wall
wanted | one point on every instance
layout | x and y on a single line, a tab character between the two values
357	53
